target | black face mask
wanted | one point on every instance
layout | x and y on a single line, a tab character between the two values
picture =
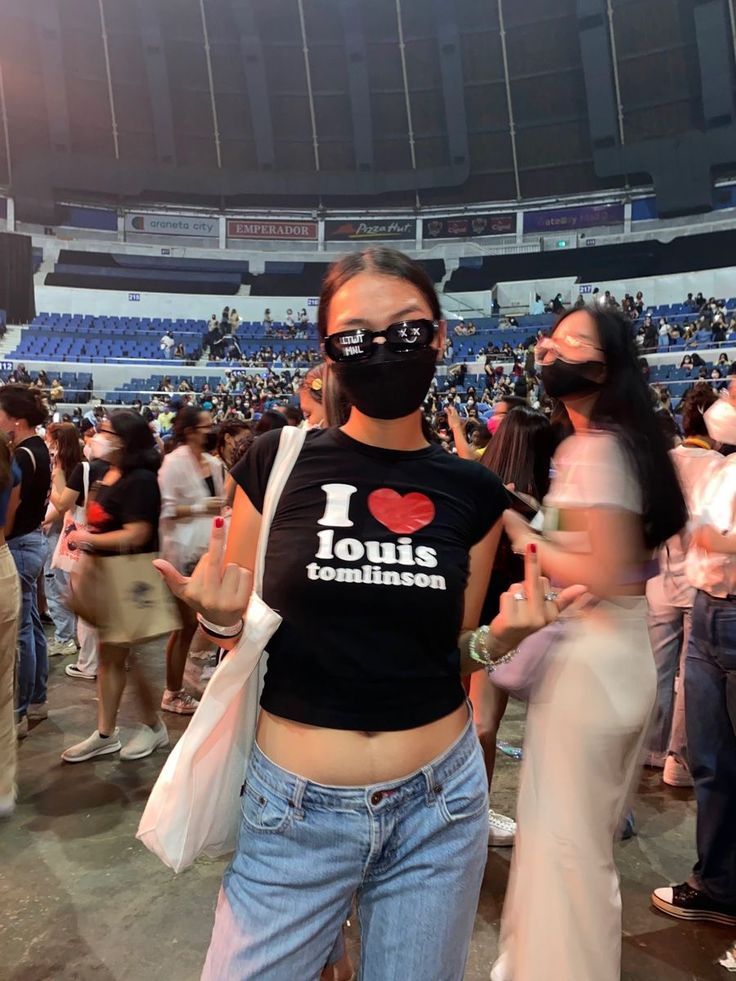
561	378
210	441
389	386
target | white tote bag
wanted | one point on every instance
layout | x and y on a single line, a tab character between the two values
194	807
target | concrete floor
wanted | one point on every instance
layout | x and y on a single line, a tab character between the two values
82	900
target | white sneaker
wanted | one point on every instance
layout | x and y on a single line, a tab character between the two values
74	672
501	830
180	702
57	647
92	746
145	742
675	773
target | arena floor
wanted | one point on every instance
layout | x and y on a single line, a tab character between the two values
83	901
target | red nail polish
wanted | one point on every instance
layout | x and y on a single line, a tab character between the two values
219	522
533	548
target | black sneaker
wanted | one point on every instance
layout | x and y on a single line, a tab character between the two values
687	903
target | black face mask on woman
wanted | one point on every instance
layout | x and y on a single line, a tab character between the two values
561	378
390	385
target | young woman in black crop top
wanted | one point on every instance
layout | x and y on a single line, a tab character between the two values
367	779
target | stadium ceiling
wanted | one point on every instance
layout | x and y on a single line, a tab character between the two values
346	103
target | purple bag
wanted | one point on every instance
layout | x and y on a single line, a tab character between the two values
521	675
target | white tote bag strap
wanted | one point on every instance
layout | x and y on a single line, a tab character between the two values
290	446
85	481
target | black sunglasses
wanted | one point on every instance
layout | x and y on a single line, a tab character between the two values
358	344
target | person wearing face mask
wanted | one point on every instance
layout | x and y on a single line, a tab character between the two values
709	893
21	411
122	516
367	779
192	491
613	500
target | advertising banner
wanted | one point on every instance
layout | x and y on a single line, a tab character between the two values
469	226
564	219
245	228
194	226
370	228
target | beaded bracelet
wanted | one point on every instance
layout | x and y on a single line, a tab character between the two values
483	656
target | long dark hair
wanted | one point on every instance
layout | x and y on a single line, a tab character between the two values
379	259
68	450
139	446
521	451
624	407
186	419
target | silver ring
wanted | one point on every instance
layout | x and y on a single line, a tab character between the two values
519	597
551	597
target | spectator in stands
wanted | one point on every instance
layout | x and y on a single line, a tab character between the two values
303	317
536	307
289	319
56	393
267	319
225	317
234	320
639	303
213	322
723	358
180	353
687	362
556	305
166	345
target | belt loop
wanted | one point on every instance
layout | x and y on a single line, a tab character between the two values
297	796
433	786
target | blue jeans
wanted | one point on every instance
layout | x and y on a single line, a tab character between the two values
411	852
669	632
57	587
29	553
711	733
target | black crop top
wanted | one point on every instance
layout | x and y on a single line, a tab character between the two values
367	563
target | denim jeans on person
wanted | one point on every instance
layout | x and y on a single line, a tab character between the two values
29	553
9	608
669	632
56	582
711	731
411	852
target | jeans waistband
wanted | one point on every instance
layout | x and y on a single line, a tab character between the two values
427	780
728	600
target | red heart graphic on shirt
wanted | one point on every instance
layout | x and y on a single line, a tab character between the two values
402	515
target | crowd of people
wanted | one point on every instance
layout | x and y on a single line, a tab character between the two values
369	780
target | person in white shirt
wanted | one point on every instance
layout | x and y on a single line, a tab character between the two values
166	344
670	599
710	689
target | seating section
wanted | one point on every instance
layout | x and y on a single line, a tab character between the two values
86	338
77	385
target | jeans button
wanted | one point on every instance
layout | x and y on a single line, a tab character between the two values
376	798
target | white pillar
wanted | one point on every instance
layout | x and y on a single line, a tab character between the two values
10	214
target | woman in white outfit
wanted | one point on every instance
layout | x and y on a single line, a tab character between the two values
613	500
192	491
